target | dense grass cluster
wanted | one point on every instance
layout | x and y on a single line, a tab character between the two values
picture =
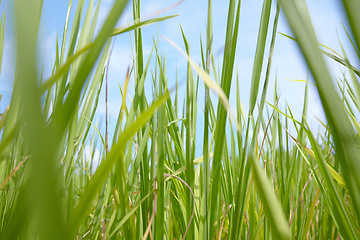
149	185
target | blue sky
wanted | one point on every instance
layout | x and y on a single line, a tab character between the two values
287	64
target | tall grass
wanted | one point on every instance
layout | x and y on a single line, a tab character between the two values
149	185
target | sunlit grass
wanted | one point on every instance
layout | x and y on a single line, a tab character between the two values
149	185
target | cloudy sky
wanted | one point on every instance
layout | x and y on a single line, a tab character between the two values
287	64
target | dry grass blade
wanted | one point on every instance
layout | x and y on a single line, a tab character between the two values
14	171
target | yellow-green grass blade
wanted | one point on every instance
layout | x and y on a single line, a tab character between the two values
310	217
268	69
204	227
84	35
337	57
241	188
226	77
2	37
138	93
135	166
206	166
61	85
224	101
41	193
258	61
144	166
76	25
173	129
3	118
78	125
352	15
65	31
352	42
129	214
332	171
355	96
139	24
189	173
259	54
272	207
159	219
183	168
341	215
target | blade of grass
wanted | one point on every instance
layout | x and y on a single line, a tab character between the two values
2	37
272	205
41	193
259	55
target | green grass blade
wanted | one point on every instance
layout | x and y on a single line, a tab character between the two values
259	55
159	220
344	222
206	150
139	24
189	173
2	37
272	205
41	193
351	13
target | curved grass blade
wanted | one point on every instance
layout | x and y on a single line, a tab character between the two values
275	214
139	24
128	215
337	57
2	37
259	55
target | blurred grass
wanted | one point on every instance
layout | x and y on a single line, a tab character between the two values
2	36
148	183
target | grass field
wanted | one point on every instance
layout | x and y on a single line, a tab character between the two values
289	184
